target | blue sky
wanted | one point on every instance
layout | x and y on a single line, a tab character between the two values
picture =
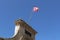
46	22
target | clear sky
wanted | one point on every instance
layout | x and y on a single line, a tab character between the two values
46	22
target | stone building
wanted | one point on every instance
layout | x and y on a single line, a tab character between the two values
22	32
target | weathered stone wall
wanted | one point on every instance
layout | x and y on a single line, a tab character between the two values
21	32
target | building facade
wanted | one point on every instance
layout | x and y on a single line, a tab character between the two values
22	31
